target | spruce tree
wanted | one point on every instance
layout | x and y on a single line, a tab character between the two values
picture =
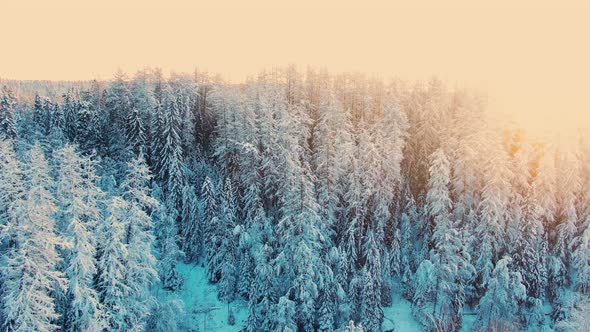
141	264
79	198
498	308
29	273
7	104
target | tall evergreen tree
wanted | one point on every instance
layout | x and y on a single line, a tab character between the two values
29	272
169	252
498	309
78	198
113	290
70	107
192	232
7	104
141	264
227	255
167	155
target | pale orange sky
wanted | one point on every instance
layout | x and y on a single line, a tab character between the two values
529	56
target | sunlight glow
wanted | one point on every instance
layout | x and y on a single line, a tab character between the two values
529	57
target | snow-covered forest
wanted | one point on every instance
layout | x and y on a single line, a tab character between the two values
303	201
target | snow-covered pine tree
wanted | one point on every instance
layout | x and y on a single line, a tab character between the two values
283	316
167	155
56	134
530	255
111	282
262	294
498	309
169	252
7	104
135	134
40	116
89	123
450	262
227	250
465	142
79	198
29	272
11	185
70	107
568	187
142	102
141	264
424	294
581	262
211	222
301	239
578	314
253	232
438	200
184	89
332	297
407	252
489	232
332	144
118	107
517	206
371	311
192	232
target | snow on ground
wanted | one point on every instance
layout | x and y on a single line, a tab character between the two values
398	317
468	321
198	294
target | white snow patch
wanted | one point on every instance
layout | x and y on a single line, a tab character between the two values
197	294
398	317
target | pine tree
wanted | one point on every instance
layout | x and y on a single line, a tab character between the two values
226	254
330	299
371	311
407	253
57	126
283	316
192	231
11	184
29	273
139	118
567	222
581	262
425	294
169	252
498	308
332	144
449	260
168	163
141	264
261	295
69	108
39	116
78	199
489	232
7	125
301	239
453	271
135	135
89	123
211	222
112	276
118	107
578	315
530	256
